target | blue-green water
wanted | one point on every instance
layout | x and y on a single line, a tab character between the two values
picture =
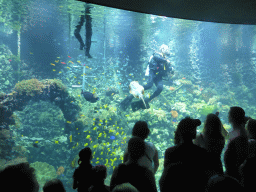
214	66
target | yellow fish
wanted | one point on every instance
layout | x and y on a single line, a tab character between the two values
68	67
101	153
78	61
36	142
94	128
79	96
79	83
56	142
74	77
100	135
69	122
88	136
95	146
70	138
57	61
52	64
87	67
58	57
85	144
54	70
31	53
117	133
60	72
99	124
97	162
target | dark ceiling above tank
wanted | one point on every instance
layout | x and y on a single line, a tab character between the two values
221	11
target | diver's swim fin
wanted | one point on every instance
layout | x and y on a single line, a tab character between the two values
139	105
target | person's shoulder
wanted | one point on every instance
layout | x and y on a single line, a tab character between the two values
171	149
150	144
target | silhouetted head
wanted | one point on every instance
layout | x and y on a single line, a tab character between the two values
223	183
53	186
212	126
186	130
100	172
136	148
251	128
85	155
125	187
141	129
236	116
20	177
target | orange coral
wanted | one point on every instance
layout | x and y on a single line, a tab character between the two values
60	170
172	88
174	114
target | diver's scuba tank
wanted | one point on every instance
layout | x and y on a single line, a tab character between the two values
147	70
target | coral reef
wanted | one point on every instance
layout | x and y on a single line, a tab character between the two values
60	170
44	172
174	114
206	109
4	163
29	87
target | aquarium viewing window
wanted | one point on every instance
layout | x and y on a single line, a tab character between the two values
76	75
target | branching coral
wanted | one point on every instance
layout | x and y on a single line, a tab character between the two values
161	115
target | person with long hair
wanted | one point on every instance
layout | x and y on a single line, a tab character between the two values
237	149
211	138
83	175
150	158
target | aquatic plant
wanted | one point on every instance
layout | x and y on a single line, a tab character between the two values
29	87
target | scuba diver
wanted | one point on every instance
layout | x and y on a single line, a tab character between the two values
158	68
88	31
91	97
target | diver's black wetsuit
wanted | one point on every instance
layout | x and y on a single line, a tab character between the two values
88	31
158	68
